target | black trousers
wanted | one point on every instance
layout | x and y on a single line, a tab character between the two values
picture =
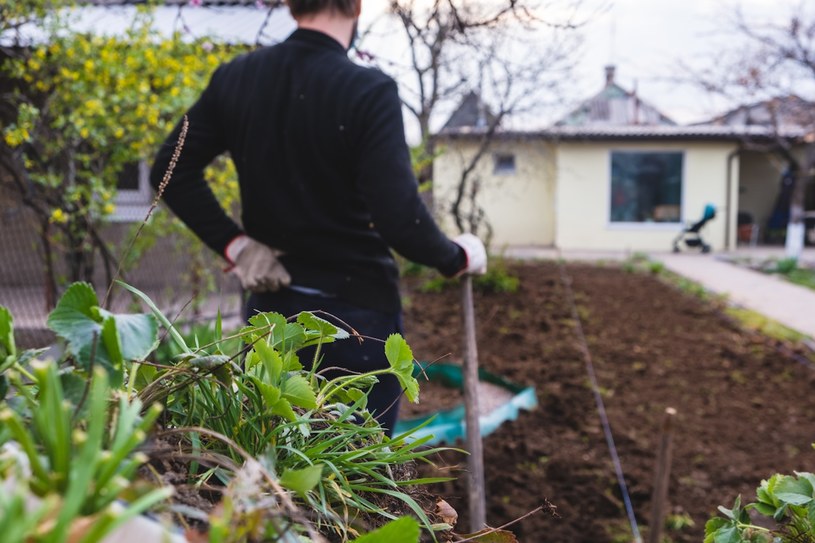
348	354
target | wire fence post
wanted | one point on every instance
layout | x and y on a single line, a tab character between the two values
661	477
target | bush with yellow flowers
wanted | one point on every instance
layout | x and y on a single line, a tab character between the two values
85	107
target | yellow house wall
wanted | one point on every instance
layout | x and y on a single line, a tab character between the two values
584	186
520	207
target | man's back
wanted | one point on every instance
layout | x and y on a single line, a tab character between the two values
325	175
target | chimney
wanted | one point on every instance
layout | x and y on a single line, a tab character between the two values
610	75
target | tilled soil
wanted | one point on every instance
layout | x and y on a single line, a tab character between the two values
744	406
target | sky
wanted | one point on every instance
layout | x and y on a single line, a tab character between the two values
647	39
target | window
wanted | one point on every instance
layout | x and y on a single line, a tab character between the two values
504	164
134	195
646	187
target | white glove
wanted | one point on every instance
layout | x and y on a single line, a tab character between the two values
476	254
256	265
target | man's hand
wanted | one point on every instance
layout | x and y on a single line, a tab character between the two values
476	254
256	265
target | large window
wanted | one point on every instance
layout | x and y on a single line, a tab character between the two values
646	187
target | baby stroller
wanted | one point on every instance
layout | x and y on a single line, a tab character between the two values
691	233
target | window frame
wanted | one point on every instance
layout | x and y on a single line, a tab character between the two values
651	226
132	204
497	156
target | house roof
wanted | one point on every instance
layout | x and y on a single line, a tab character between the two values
615	114
472	113
228	21
638	133
614	106
785	113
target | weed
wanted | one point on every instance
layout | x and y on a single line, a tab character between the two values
786	265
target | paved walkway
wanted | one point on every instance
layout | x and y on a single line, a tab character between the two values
789	304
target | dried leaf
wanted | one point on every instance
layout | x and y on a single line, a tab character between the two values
490	535
447	514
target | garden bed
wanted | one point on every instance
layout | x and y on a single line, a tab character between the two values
743	406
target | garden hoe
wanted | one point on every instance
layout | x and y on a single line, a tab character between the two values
475	462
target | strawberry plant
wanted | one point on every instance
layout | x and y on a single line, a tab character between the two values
295	454
788	500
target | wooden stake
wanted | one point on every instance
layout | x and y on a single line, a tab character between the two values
475	461
661	478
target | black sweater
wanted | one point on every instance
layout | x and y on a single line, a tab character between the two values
324	171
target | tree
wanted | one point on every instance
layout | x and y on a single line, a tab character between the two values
514	54
774	64
78	109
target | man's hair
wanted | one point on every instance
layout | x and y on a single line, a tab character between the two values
306	7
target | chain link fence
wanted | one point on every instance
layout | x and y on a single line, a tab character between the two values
184	292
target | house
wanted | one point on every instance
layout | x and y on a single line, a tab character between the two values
614	174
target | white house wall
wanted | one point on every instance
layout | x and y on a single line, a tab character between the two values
584	186
519	206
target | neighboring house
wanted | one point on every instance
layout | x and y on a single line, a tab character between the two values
615	174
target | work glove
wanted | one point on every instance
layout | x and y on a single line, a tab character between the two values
256	265
476	254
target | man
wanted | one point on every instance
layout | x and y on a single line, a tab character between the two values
326	187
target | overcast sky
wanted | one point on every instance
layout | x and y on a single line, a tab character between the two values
646	39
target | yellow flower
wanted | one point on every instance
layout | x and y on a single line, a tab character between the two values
84	133
119	132
108	208
58	216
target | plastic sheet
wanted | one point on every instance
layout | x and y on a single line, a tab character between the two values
448	425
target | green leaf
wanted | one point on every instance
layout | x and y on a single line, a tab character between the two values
303	480
811	513
727	534
110	341
400	358
271	360
401	530
712	526
793	491
209	362
764	495
8	351
271	394
322	326
765	509
138	335
179	340
298	391
77	319
283	408
809	477
351	396
3	387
